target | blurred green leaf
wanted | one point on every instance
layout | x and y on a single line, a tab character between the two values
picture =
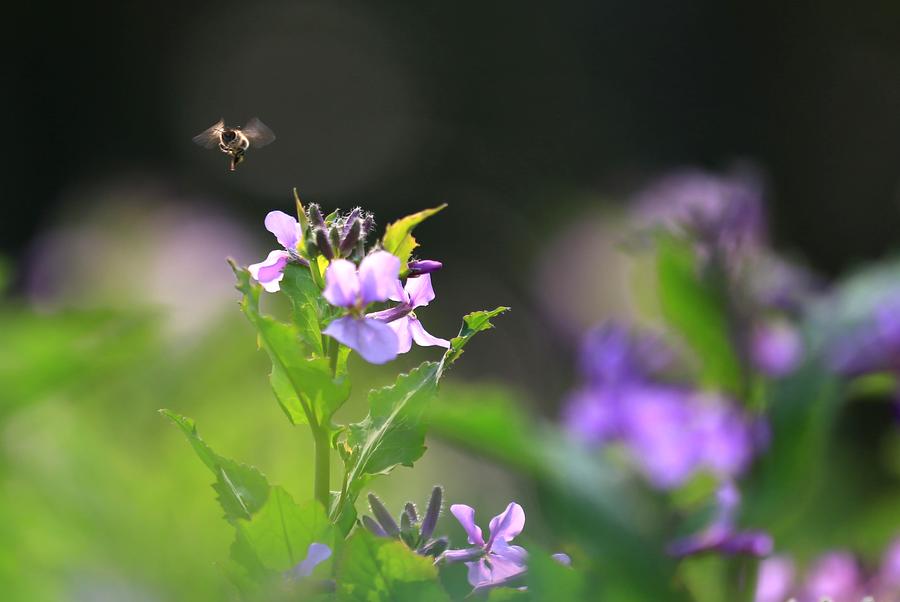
549	581
696	308
398	238
45	354
242	490
281	531
303	385
374	569
393	431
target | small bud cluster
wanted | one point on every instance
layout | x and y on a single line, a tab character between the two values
335	236
413	530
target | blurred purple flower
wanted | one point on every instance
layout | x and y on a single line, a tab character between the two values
402	318
875	346
316	554
721	535
835	575
354	289
494	562
775	348
288	233
775	579
671	432
723	214
611	355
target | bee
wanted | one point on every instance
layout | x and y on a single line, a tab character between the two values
234	141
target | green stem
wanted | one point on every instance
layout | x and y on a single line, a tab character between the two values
323	466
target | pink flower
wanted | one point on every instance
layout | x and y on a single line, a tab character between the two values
402	318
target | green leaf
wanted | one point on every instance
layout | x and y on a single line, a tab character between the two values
279	534
549	581
306	305
303	385
696	308
398	238
242	490
393	432
373	569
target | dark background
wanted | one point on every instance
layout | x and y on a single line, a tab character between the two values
521	116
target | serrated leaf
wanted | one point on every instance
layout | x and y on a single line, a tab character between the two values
242	490
398	238
373	569
696	309
303	385
393	432
279	534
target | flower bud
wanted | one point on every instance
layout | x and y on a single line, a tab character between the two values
348	222
315	216
351	237
323	244
334	236
423	266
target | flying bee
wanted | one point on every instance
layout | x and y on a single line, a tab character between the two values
234	141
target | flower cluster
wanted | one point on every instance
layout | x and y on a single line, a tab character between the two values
353	280
722	217
836	575
671	431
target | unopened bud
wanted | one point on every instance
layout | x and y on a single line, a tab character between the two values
348	223
323	244
351	237
423	266
315	216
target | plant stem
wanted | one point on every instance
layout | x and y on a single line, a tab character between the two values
323	466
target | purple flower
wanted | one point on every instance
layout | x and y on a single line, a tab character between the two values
610	355
775	580
776	348
723	214
420	267
288	232
402	318
316	554
354	289
835	575
493	562
721	535
875	346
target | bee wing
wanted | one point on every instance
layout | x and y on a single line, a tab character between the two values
258	133
209	137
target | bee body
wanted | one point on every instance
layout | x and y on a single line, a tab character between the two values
234	141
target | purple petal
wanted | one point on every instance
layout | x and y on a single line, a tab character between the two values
466	517
422	338
378	275
315	555
501	568
507	525
835	575
270	271
463	555
341	284
776	576
776	348
404	333
374	341
479	573
419	290
284	227
562	558
399	294
890	565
